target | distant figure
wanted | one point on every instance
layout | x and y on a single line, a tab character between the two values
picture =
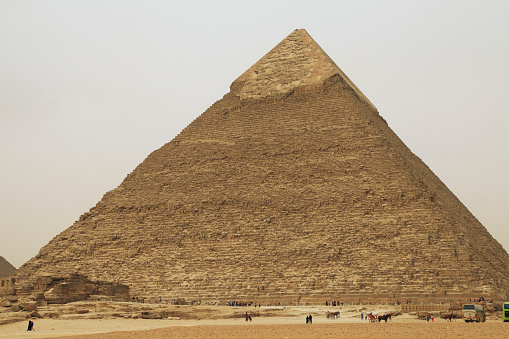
362	316
307	319
250	318
310	319
30	325
247	317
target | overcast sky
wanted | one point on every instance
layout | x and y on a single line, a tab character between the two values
89	88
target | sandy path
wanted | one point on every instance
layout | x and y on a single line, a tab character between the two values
338	330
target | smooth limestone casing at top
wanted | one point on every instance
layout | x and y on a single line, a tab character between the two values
291	187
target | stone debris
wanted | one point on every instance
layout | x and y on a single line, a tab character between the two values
32	299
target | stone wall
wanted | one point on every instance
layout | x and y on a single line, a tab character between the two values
425	307
61	290
7	286
76	287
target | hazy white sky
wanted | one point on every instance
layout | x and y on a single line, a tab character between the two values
89	88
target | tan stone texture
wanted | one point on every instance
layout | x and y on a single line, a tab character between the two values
6	268
293	187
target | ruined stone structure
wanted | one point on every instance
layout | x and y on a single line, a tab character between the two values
74	288
58	290
6	268
7	286
291	187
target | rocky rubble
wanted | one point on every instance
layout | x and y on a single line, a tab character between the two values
32	301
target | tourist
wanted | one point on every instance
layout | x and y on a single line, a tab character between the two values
30	325
310	319
362	316
247	317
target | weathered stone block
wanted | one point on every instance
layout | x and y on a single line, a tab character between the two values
28	306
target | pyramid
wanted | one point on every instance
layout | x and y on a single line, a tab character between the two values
6	268
291	187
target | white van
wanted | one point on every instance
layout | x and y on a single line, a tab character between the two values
474	312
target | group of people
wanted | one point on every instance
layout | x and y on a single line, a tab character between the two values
240	303
364	316
309	319
334	303
138	300
428	316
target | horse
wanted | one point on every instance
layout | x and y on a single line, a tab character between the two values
384	317
450	316
334	315
372	318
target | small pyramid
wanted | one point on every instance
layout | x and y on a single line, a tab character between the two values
6	268
291	188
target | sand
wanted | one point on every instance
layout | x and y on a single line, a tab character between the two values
291	325
197	329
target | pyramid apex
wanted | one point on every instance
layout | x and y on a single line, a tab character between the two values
296	61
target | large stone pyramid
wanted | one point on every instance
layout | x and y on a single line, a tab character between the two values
6	268
292	186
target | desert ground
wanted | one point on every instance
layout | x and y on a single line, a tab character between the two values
129	320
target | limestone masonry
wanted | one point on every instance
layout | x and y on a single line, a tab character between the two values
6	268
291	187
